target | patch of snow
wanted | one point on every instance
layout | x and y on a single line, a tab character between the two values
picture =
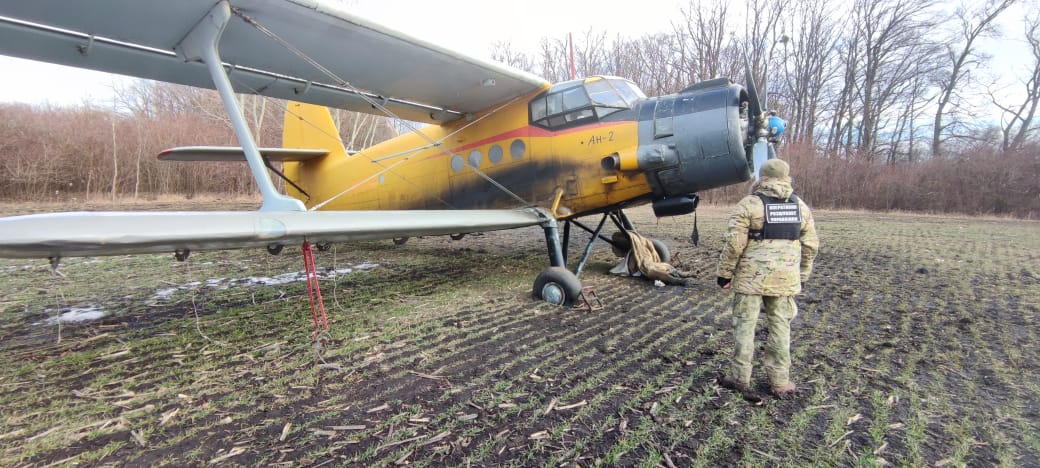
75	315
164	293
250	281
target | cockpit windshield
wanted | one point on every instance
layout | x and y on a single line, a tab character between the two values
583	101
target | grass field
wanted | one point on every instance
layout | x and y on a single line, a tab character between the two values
916	344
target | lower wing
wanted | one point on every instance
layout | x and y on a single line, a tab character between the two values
80	234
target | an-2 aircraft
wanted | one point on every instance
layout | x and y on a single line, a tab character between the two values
502	149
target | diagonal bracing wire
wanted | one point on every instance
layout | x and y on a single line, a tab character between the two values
377	105
378	162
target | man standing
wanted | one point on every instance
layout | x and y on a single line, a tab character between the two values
769	249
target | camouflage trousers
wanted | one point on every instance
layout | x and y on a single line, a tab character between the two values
780	310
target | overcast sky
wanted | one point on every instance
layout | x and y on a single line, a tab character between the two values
469	26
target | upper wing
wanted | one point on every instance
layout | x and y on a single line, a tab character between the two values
114	233
416	80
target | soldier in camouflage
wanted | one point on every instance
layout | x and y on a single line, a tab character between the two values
770	246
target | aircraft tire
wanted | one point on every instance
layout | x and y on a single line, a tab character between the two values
400	240
275	249
662	250
557	285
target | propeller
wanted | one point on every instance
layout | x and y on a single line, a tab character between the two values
757	127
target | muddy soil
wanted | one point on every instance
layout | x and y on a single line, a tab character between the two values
915	344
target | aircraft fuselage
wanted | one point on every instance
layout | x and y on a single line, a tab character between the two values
598	153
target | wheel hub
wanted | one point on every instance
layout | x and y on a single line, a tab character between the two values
553	293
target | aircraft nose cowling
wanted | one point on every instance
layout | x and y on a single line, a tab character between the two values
695	140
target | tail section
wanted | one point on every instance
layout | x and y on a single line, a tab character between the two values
309	127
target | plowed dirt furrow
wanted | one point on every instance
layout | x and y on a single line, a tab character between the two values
914	346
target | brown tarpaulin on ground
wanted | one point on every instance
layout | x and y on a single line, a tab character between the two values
645	259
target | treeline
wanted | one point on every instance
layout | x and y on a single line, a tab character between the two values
68	153
64	153
983	182
881	80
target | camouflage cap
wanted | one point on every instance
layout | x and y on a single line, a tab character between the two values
774	168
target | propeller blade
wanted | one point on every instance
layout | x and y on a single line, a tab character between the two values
757	127
760	153
755	106
765	94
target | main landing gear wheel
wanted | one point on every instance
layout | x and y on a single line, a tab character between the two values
557	285
274	249
400	240
662	250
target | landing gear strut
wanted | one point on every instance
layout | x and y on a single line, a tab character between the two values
556	284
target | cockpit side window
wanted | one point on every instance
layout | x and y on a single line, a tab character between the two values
538	109
554	104
558	109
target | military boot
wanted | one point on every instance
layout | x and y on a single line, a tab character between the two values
784	391
749	394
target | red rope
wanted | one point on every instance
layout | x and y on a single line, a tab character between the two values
313	291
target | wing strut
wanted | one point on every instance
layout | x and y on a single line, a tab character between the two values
281	175
201	44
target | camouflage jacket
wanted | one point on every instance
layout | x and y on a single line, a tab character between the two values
770	267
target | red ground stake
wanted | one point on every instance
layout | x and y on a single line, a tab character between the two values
313	291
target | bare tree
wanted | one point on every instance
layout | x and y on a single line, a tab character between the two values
554	60
962	57
808	64
622	57
700	39
893	36
503	52
115	158
590	53
1018	119
844	104
657	72
761	37
915	96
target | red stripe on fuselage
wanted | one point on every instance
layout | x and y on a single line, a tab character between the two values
528	132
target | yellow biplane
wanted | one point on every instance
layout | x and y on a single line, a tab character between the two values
491	148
